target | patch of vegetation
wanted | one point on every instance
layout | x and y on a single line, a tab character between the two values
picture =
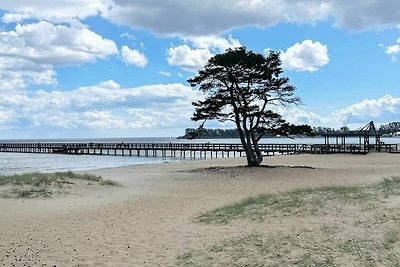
303	202
109	182
390	186
297	202
357	226
302	248
38	184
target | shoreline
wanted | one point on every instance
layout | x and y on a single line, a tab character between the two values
149	220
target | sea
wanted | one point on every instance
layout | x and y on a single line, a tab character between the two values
17	163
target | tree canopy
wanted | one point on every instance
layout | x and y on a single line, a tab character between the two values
242	86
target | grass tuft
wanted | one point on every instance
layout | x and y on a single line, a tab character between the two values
390	186
109	182
38	184
298	248
350	226
303	202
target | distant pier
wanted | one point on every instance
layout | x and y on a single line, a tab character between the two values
189	150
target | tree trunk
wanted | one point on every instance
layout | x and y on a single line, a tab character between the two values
253	153
257	150
253	159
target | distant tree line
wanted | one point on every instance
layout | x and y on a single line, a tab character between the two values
191	133
327	130
390	128
205	133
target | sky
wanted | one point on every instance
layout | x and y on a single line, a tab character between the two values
119	68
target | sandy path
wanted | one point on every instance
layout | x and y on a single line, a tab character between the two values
148	222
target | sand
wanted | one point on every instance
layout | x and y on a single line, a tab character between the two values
148	221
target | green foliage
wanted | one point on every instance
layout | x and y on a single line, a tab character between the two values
241	86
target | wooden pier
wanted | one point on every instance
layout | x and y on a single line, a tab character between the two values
189	150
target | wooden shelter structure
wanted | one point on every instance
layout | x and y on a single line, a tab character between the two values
361	141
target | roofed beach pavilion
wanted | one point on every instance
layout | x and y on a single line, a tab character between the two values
362	141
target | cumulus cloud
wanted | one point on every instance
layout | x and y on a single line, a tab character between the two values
393	50
305	56
69	11
383	110
194	57
29	53
5	117
213	42
133	57
187	58
108	106
301	116
103	106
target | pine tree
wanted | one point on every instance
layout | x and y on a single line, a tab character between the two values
241	86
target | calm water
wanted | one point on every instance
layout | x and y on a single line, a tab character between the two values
11	163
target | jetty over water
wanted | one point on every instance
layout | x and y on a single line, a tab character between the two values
191	150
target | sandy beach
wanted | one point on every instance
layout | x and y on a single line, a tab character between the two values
149	220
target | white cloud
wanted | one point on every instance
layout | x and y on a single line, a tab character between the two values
29	53
382	110
128	36
393	50
110	84
300	116
101	120
165	73
133	57
70	11
195	57
386	108
5	115
305	56
187	58
103	106
213	42
108	106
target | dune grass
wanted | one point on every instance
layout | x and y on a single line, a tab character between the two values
302	202
300	248
38	184
350	226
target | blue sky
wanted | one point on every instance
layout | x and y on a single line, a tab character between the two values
118	68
